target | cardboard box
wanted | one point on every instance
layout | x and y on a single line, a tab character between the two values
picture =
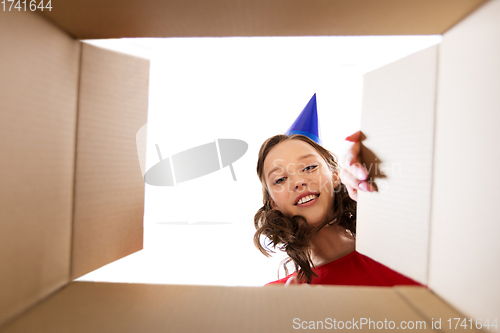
72	195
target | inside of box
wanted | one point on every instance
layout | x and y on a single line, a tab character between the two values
220	18
45	160
70	212
196	78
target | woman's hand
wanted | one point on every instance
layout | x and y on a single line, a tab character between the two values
353	174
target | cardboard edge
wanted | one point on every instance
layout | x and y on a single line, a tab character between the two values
4	326
102	304
62	52
433	165
219	18
56	24
431	307
77	107
460	19
114	88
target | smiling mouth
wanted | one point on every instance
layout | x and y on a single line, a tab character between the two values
307	199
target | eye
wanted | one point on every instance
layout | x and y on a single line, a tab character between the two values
279	181
310	168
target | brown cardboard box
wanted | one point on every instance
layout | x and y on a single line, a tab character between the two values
72	196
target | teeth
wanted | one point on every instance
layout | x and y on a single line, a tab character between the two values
306	199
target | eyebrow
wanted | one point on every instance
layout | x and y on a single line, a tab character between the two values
298	159
304	157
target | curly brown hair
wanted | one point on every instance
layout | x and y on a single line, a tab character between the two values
292	234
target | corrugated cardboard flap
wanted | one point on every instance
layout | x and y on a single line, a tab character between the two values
172	18
54	90
398	123
109	188
107	307
433	309
38	106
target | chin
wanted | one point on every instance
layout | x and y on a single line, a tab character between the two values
314	221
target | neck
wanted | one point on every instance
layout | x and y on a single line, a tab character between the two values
331	243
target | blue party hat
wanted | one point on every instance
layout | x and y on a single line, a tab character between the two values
307	122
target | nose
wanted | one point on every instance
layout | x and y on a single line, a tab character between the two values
297	186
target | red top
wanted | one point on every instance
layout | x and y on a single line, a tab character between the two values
355	269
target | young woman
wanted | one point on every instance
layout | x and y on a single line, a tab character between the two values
311	215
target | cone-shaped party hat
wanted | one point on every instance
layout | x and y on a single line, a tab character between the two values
307	122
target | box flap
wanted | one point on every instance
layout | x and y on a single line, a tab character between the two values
107	307
398	122
464	266
434	309
88	19
109	188
38	98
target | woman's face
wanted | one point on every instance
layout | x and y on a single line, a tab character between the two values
299	181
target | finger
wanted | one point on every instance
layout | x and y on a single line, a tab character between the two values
352	193
358	171
351	181
351	155
348	179
354	137
368	186
353	152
